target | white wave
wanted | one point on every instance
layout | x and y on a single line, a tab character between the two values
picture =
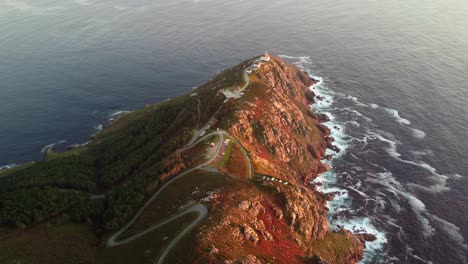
7	166
117	114
439	181
45	148
391	185
395	114
452	230
98	127
357	113
302	59
374	106
409	251
358	191
419	153
353	123
364	140
419	134
355	100
81	144
342	201
418	207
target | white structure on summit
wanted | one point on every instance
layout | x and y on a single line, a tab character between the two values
265	57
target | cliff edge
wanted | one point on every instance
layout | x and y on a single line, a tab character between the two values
218	175
281	218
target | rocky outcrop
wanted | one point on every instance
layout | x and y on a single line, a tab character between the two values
250	259
306	214
286	140
249	234
277	122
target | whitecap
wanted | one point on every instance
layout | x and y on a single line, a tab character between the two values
439	181
45	148
419	208
302	59
390	184
419	153
409	251
395	114
7	166
374	106
355	100
116	114
326	182
419	134
362	194
119	112
357	113
81	144
452	230
98	128
353	123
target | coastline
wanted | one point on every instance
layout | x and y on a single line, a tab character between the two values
340	201
286	140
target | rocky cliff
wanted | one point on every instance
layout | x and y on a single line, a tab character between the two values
273	222
239	150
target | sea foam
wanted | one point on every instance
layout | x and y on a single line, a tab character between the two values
342	201
45	148
7	166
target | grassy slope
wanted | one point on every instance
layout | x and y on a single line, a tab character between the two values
125	161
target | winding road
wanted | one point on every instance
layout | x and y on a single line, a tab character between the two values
113	239
199	208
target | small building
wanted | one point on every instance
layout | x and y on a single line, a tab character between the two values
212	144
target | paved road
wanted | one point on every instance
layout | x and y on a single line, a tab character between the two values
200	209
247	81
201	130
249	162
198	111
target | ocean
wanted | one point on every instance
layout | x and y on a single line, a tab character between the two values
393	74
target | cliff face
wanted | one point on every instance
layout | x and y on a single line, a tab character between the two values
271	222
247	155
284	136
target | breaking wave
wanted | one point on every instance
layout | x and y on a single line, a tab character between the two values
7	166
341	210
45	148
368	196
117	114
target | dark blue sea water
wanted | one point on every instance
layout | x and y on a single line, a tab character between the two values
395	73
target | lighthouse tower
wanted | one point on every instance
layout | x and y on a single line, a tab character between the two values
267	56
